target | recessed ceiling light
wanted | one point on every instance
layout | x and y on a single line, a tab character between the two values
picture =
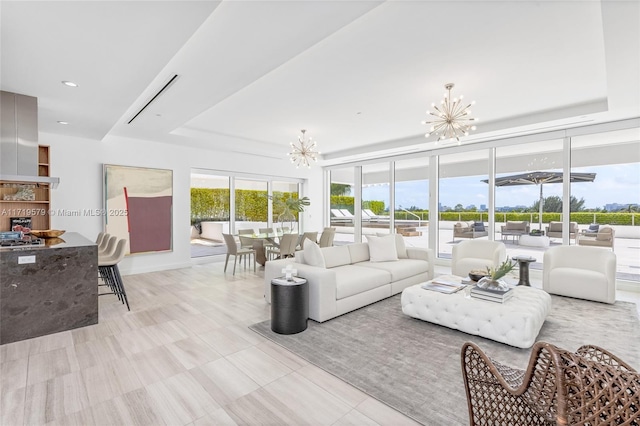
63	122
69	83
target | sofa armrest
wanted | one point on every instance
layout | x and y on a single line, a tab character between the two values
425	254
322	286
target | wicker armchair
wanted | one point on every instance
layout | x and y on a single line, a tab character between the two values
589	387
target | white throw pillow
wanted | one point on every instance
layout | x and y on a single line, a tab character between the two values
382	249
313	255
400	246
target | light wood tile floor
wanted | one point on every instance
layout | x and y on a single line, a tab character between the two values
182	356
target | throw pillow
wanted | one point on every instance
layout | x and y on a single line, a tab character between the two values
400	245
478	226
382	249
594	227
312	254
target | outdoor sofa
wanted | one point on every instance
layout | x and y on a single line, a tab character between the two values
554	230
469	229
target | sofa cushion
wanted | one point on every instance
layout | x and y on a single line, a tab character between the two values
555	227
594	227
604	234
478	226
400	245
359	252
516	225
581	283
354	279
401	269
313	255
382	249
336	256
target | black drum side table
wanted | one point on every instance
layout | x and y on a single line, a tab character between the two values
289	305
523	265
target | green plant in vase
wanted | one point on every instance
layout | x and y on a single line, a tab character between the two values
494	280
287	218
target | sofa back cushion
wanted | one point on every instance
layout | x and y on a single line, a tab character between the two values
313	255
359	252
382	249
605	233
478	226
555	227
336	256
516	225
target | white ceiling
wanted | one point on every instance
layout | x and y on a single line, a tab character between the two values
358	75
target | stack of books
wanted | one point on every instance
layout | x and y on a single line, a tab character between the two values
443	285
498	296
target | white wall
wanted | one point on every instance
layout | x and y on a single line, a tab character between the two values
78	163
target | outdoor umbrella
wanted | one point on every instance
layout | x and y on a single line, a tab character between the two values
540	178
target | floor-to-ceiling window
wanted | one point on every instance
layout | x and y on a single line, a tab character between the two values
529	181
376	196
544	193
252	204
210	212
283	216
609	203
463	198
412	200
258	202
341	204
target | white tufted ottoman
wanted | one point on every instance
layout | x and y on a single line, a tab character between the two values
515	322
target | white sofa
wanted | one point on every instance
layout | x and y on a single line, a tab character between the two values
581	272
350	280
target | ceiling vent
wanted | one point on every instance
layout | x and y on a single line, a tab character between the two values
165	87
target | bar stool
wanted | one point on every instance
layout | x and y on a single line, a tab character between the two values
110	274
109	247
102	240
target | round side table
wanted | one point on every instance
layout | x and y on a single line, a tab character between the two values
289	305
523	266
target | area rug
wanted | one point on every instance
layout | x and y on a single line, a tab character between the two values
414	366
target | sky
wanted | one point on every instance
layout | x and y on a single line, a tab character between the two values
619	183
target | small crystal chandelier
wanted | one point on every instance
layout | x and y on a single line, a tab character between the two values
451	117
303	151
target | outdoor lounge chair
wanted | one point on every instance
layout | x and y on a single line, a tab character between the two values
558	387
338	217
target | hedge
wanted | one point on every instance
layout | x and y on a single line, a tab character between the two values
251	205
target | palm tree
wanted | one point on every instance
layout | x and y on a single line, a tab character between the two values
340	189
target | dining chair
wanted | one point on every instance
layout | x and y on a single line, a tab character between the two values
313	236
245	242
239	253
287	248
268	231
326	238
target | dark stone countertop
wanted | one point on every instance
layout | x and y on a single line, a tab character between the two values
66	240
48	289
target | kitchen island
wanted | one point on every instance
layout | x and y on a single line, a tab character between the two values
48	289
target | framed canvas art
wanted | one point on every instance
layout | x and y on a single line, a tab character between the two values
138	206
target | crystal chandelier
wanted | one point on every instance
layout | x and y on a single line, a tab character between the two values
452	118
303	151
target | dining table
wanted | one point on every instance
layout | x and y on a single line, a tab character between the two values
260	243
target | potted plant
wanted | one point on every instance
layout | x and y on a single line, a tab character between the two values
290	206
493	280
